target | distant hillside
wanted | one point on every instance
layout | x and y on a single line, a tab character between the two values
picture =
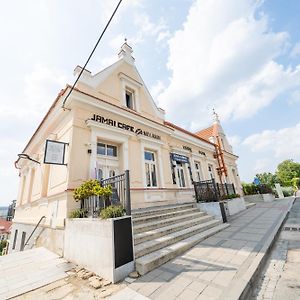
3	211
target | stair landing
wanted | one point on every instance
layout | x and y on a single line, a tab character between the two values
29	270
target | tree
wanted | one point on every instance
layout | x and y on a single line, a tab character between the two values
286	171
268	179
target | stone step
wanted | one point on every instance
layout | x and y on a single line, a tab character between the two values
161	231
249	205
164	241
153	260
165	222
145	219
160	210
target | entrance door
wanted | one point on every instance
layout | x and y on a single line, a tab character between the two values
107	161
180	174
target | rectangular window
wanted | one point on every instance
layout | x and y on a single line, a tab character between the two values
111	150
108	150
129	96
180	174
198	171
211	171
101	149
150	169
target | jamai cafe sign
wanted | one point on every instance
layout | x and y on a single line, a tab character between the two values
124	126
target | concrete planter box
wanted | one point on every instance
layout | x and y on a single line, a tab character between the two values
211	208
234	206
260	198
104	247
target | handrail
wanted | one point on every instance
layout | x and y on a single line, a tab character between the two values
33	231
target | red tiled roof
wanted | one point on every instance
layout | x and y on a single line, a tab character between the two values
208	132
5	226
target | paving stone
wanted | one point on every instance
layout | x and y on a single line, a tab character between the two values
216	265
188	294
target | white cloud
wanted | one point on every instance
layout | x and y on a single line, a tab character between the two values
39	90
147	28
296	50
279	144
263	165
157	88
234	140
294	97
224	57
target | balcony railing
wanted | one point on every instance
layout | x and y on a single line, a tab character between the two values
211	191
120	186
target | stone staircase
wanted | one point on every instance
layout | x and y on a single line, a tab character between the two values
163	233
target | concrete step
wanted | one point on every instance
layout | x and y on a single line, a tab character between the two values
153	260
161	231
145	219
143	227
249	205
160	210
164	241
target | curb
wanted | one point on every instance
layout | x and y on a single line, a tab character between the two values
243	288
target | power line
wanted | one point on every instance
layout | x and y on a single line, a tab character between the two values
72	88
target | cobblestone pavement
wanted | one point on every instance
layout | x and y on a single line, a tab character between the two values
219	267
280	278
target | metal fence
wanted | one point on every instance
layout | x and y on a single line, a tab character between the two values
120	186
210	191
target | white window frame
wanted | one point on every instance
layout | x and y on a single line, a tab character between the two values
198	172
151	164
128	84
107	144
131	93
211	173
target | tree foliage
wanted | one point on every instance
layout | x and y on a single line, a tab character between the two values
286	171
267	178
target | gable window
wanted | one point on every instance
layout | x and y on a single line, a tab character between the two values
107	150
129	97
150	168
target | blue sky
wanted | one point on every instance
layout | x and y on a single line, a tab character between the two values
241	57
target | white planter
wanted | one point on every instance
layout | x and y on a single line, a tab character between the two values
211	208
234	206
268	197
97	245
260	198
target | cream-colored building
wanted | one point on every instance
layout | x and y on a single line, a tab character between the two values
111	124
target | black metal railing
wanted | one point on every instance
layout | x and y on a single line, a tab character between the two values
211	191
33	231
120	186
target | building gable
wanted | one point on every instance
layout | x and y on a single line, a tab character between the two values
121	85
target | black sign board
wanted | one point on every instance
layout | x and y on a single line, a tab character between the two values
55	153
123	241
179	158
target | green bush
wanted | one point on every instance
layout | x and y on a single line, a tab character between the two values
2	245
231	196
78	213
112	212
296	183
287	191
249	188
89	188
